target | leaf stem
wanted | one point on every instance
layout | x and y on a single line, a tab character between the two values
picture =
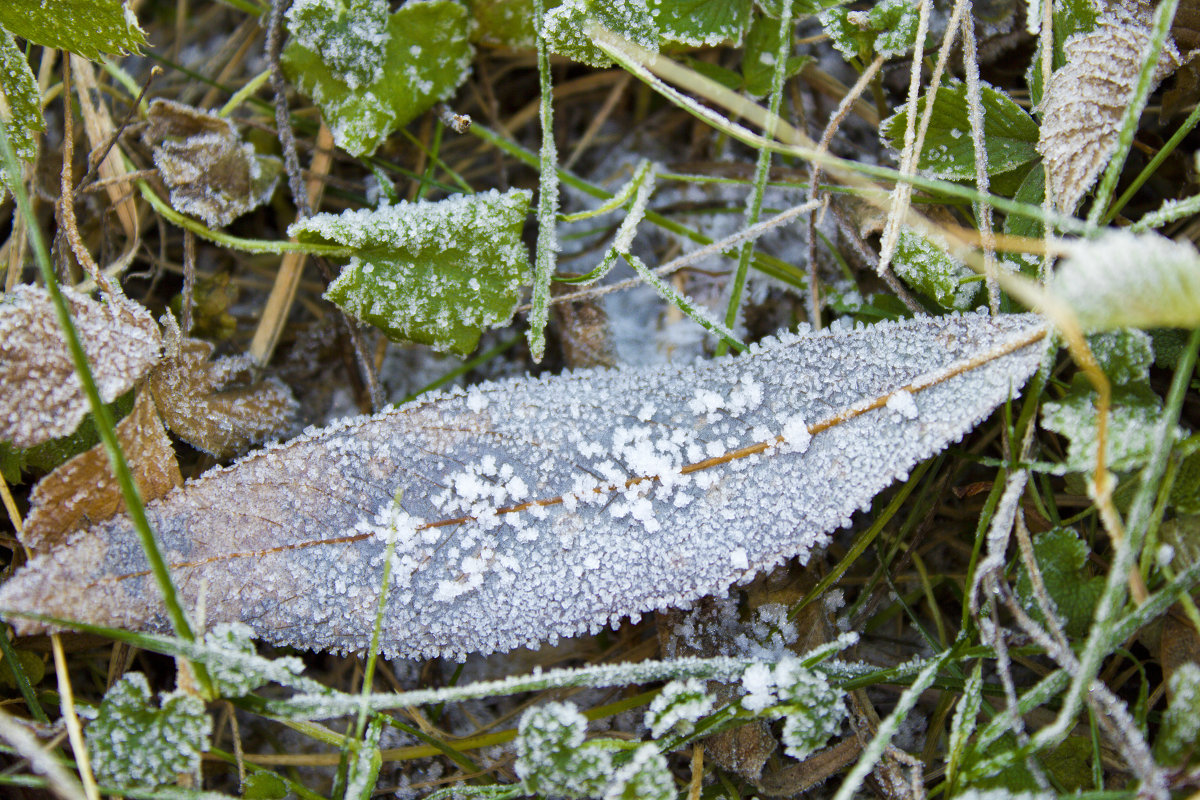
547	214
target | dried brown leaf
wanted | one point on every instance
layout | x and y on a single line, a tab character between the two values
217	405
83	490
583	331
1087	97
43	398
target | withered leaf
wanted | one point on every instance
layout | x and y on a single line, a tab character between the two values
83	490
210	172
216	405
534	508
42	397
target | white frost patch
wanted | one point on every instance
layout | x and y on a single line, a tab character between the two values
795	435
738	558
903	404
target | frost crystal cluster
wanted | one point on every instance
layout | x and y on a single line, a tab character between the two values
677	708
537	508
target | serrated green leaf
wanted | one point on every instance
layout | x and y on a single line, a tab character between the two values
1180	729
1010	135
133	743
426	58
1126	280
350	36
552	758
677	707
889	29
1125	356
433	273
702	23
20	102
505	23
1132	420
87	27
564	28
758	58
1061	556
931	270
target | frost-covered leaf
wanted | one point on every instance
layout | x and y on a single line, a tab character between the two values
209	171
1132	420
44	457
531	509
813	710
1125	356
87	27
889	29
217	405
1180	730
133	743
1086	100
677	708
758	57
350	36
20	102
702	23
564	28
427	57
505	23
42	397
434	273
645	776
231	679
1126	280
552	758
1185	492
931	270
1062	558
84	489
1009	134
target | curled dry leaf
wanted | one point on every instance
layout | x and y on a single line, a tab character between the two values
1087	97
42	397
530	509
216	405
83	490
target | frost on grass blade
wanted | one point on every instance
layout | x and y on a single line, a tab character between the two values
433	273
539	508
350	36
426	57
87	27
20	102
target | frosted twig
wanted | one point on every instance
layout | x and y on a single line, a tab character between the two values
547	235
975	115
283	121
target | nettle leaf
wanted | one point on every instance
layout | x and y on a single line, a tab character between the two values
889	29
930	269
1180	730
42	397
426	57
1132	420
565	28
645	776
20	102
551	756
132	743
758	58
350	36
434	273
677	708
530	509
702	23
1009	134
1125	356
1126	280
1062	559
87	27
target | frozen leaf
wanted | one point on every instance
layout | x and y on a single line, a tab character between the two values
758	57
231	679
552	758
564	28
702	23
813	710
1185	492
1126	280
1180	729
1124	355
350	36
504	23
930	269
87	27
531	509
42	397
209	171
584	332
132	743
1132	420
46	456
677	707
1086	100
83	490
1009	134
426	57
20	102
889	29
1062	558
645	776
434	273
217	405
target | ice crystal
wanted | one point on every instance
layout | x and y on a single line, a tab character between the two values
677	708
551	506
813	710
645	776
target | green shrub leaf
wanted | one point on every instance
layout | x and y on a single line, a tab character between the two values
426	57
87	27
1132	420
677	708
1010	135
645	776
758	58
1180	729
1061	557
350	36
565	28
552	758
20	102
889	29
433	273
702	22
1124	355
931	270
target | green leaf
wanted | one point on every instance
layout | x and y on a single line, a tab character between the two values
505	23
931	270
1061	556
132	743
758	58
229	678
1010	135
264	786
677	707
20	102
47	455
30	663
1125	356
350	36
889	29
1030	193
1180	729
552	758
645	776
701	23
1132	420
426	58
565	28
433	273
1185	492
87	27
1126	280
